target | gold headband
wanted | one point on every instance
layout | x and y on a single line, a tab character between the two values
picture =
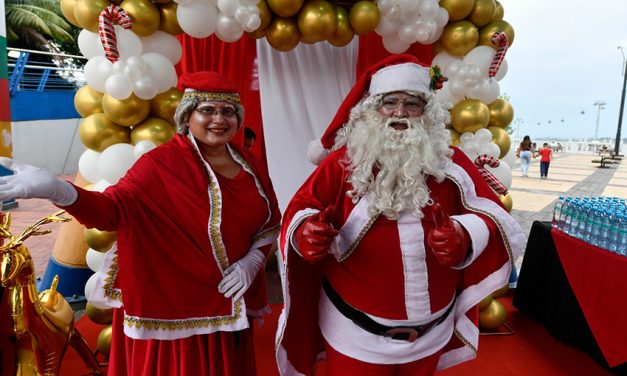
208	96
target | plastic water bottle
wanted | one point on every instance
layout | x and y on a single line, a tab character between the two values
606	223
584	222
622	240
557	210
614	232
595	234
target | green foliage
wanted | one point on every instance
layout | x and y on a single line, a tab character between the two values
37	25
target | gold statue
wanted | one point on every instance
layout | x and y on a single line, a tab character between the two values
35	329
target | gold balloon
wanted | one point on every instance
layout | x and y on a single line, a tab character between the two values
343	31
501	113
162	1
285	8
459	38
164	105
100	241
99	316
169	22
492	317
486	32
67	8
469	115
364	17
483	304
316	20
457	9
283	34
501	139
104	341
145	16
126	112
501	292
86	13
454	137
265	14
507	201
500	12
97	132
152	129
482	12
88	101
305	40
257	34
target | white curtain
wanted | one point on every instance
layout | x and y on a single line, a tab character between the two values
300	92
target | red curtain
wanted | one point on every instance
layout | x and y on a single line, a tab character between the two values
371	51
236	61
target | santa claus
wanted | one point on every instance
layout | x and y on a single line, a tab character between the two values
393	240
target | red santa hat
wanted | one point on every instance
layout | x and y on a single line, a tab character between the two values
395	73
209	86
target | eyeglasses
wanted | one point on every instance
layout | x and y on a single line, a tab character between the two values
411	104
226	112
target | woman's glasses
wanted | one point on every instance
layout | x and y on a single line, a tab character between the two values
226	112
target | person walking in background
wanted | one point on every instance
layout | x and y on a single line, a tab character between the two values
545	160
525	154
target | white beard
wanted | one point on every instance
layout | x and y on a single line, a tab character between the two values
403	160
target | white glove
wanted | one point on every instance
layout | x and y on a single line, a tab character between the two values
239	276
34	182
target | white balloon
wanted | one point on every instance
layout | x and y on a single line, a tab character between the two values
407	33
495	91
502	70
429	9
394	13
394	45
161	70
483	136
89	44
442	18
435	36
410	16
253	23
88	165
115	160
510	157
454	68
91	283
408	5
470	149
228	29
163	43
118	86
241	15
145	88
118	66
228	7
466	136
445	97
386	27
94	259
254	9
249	2
129	43
385	6
100	185
478	91
197	19
457	87
481	57
490	149
97	70
503	173
442	60
143	147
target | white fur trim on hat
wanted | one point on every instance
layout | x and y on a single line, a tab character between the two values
400	77
316	152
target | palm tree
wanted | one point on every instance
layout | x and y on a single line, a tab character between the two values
38	25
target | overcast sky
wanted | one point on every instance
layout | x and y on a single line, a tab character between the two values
565	58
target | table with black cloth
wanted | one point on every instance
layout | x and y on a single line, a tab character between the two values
578	291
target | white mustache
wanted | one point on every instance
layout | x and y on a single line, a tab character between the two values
391	121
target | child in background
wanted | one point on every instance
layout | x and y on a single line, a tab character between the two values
545	160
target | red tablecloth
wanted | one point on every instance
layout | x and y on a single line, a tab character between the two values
598	279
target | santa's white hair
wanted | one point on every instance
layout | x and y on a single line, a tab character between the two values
391	166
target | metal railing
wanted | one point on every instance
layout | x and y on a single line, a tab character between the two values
48	71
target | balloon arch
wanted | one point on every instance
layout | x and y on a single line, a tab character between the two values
133	47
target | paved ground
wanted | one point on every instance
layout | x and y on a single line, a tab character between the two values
569	174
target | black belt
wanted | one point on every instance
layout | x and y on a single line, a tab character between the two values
405	333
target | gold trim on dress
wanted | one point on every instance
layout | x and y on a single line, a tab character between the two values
357	240
172	325
112	274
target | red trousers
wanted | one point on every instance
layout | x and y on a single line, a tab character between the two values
216	354
342	365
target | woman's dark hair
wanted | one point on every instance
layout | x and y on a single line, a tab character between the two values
249	133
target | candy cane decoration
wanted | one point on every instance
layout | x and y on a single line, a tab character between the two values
492	181
110	14
500	40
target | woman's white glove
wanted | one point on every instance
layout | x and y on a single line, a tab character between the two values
239	276
34	182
